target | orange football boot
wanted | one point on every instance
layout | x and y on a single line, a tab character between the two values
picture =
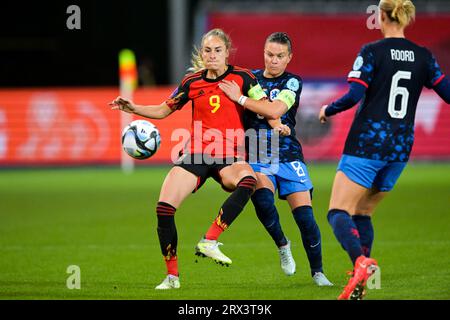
355	289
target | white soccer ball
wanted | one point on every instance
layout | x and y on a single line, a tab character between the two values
141	139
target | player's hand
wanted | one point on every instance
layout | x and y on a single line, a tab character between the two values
123	104
283	130
322	117
231	89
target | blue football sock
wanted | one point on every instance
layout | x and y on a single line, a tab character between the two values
346	232
311	239
267	213
366	234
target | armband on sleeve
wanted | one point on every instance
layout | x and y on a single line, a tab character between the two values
287	96
256	93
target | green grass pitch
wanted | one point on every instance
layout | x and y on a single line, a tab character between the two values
104	222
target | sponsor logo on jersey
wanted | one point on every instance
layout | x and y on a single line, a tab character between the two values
358	63
274	93
293	84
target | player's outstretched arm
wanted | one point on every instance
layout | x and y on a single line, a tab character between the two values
270	110
152	111
351	98
322	117
443	89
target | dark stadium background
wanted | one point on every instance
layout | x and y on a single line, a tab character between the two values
37	49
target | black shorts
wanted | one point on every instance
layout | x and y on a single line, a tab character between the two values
204	167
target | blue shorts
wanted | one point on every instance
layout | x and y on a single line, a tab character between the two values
371	173
287	177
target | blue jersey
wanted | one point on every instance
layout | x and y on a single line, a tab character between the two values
394	71
290	148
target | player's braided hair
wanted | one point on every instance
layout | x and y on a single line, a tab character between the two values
400	11
197	61
281	38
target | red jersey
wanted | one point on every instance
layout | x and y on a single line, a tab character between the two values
217	127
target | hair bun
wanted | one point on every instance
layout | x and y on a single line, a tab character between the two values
400	11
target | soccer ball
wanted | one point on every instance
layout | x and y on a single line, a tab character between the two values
140	139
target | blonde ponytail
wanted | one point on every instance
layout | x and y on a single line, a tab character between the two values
197	63
401	11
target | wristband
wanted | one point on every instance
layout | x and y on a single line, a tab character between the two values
242	100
